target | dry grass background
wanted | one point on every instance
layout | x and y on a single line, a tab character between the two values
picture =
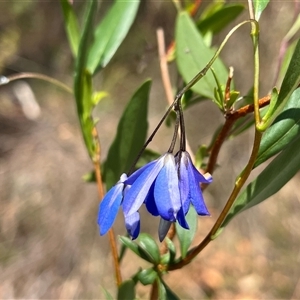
49	243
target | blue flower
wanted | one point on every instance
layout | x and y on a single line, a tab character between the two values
189	184
167	187
156	184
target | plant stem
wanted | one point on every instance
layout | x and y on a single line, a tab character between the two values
111	235
208	66
231	118
241	179
166	77
38	76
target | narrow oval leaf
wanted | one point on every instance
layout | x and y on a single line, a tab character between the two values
186	236
220	18
259	6
269	181
284	129
147	276
286	60
130	137
71	26
290	82
192	55
127	290
136	249
110	33
148	244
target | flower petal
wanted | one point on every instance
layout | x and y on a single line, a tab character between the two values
196	197
132	178
199	177
150	202
163	229
184	183
181	219
194	178
132	224
109	207
166	191
137	194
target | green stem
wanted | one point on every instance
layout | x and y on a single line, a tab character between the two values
43	77
255	39
240	181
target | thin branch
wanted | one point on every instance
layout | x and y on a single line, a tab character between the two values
231	118
111	235
8	79
238	186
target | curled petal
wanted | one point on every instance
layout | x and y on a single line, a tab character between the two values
109	207
166	191
132	224
137	194
201	178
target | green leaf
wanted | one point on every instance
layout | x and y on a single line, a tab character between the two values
130	137
147	276
110	33
148	244
259	6
286	60
83	82
186	236
127	290
71	25
139	251
164	292
219	18
269	181
290	82
284	129
192	55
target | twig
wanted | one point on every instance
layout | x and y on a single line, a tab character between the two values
43	77
111	235
238	186
231	118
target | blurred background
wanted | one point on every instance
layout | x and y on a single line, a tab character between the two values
49	242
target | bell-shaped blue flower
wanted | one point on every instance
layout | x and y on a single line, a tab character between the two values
156	185
189	184
167	187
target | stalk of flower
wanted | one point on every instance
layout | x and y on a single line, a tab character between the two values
167	187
